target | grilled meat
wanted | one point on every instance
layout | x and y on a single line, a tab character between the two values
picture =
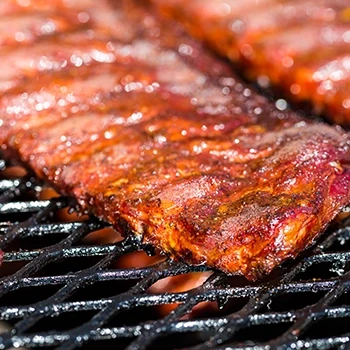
300	47
150	132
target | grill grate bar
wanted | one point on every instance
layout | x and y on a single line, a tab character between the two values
43	229
24	207
160	299
83	251
203	325
16	230
107	275
6	184
2	164
64	253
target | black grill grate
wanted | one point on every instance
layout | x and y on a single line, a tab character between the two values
305	304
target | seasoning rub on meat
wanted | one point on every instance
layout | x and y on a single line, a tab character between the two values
150	132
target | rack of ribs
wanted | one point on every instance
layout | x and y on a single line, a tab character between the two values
149	131
301	48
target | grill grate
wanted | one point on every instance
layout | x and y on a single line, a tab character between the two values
305	304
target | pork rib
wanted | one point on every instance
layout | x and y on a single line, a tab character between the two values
149	131
300	47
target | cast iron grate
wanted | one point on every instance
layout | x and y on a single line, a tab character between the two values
58	290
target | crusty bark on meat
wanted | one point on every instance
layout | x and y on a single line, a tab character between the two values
150	132
300	47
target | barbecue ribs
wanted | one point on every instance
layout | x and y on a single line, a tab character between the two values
302	47
149	131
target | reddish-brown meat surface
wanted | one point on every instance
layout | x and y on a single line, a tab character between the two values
150	132
302	47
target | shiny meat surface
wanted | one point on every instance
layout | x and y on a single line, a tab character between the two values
302	47
149	131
